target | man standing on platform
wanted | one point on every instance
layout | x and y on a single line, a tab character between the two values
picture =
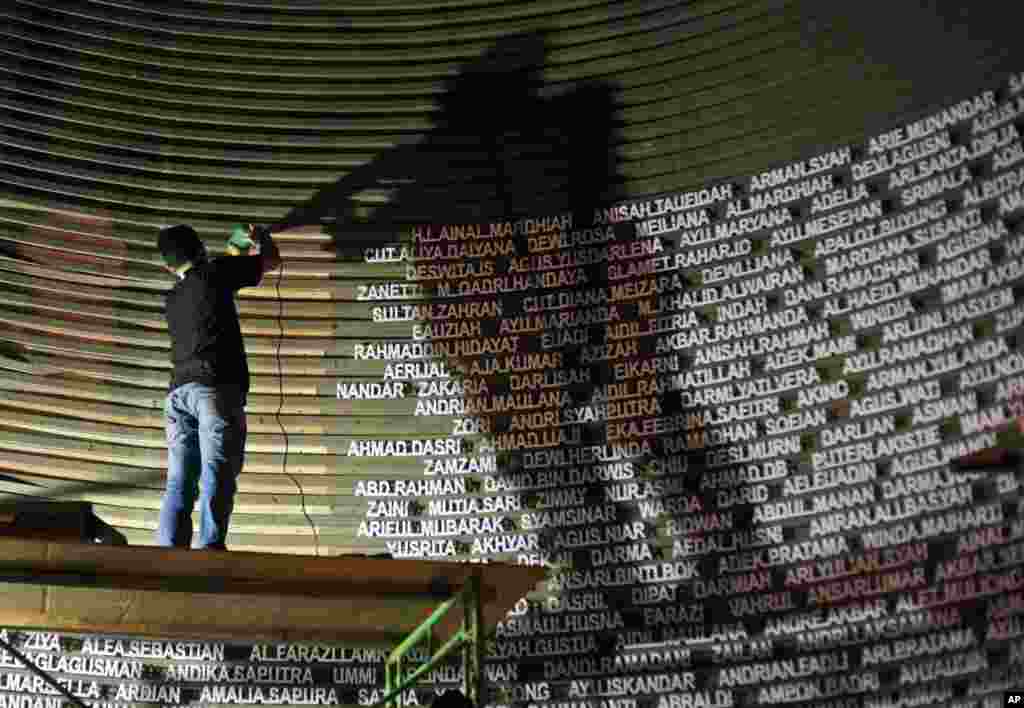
205	408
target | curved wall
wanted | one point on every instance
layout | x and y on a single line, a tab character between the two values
747	271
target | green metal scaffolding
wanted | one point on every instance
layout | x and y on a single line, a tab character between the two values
469	637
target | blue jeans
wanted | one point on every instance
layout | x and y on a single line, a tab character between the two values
205	450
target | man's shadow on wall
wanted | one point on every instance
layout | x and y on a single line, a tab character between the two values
507	148
503	147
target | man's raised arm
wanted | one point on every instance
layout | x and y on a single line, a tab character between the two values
270	256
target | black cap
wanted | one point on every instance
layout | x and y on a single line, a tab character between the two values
180	245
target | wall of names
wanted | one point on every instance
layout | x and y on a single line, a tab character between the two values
727	418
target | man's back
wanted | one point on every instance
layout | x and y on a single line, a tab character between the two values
202	319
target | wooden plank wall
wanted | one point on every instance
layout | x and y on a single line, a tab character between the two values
118	118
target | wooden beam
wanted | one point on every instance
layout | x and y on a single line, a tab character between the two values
245	596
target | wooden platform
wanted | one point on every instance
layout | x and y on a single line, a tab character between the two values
242	596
